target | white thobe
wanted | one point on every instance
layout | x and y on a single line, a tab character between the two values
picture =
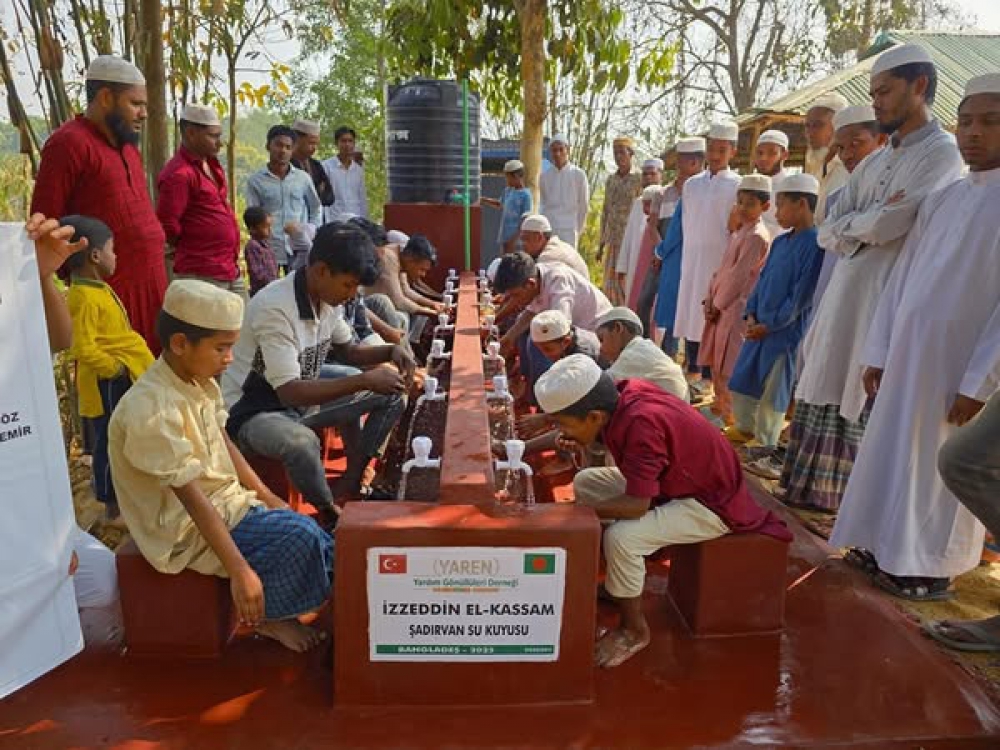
707	201
643	359
628	254
557	251
936	333
835	178
868	232
565	198
770	216
573	295
350	199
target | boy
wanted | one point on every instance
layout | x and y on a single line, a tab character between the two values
675	481
776	316
262	268
633	356
515	203
731	287
769	160
190	498
110	355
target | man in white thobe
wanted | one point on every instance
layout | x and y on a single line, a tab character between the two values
708	199
347	177
565	193
870	221
635	227
933	359
538	241
820	163
769	159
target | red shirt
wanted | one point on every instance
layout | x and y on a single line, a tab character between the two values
195	213
667	450
82	173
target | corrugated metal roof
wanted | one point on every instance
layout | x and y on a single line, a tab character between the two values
958	55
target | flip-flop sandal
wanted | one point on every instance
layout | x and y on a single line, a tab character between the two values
934	590
985	643
625	649
861	559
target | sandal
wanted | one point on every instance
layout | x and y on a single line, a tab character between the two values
915	588
984	641
862	559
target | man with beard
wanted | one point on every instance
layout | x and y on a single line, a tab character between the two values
91	166
193	205
822	160
306	143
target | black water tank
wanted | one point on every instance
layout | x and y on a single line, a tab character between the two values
424	139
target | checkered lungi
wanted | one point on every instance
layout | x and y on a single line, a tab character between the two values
292	556
822	448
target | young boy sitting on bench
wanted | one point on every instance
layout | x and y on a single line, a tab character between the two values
189	497
676	480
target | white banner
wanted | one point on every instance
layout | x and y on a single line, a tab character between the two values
39	624
465	603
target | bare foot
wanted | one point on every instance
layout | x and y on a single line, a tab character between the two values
618	646
291	634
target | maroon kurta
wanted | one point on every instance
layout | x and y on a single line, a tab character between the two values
82	173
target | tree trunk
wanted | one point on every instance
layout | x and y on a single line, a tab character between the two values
151	60
231	143
532	14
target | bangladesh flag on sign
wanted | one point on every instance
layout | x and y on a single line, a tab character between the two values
536	564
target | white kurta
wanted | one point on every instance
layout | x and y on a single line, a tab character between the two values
565	198
557	251
707	201
868	232
834	179
350	197
936	333
770	216
628	255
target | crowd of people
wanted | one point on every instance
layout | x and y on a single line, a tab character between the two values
855	300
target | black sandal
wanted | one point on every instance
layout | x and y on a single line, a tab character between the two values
863	560
915	588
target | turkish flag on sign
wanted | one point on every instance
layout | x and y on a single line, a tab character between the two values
392	564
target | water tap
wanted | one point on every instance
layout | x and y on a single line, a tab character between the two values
421	455
500	391
452	274
437	350
515	456
431	392
489	325
492	350
443	324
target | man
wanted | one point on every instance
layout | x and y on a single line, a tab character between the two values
193	205
822	159
932	359
540	243
347	177
769	159
620	190
91	166
632	356
284	192
663	284
635	229
565	193
398	268
708	200
274	381
306	143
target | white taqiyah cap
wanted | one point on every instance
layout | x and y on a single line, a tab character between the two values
653	164
695	145
650	192
619	313
306	127
115	70
491	270
549	326
853	115
904	54
774	136
558	139
759	183
396	237
205	305
985	84
514	165
536	223
799	183
727	130
566	382
200	114
831	100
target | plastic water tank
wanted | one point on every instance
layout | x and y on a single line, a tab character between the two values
424	140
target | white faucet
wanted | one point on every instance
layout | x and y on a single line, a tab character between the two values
437	350
452	274
449	286
431	392
515	456
421	455
492	350
489	325
443	324
500	392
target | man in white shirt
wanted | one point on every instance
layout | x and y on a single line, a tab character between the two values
769	159
633	356
541	244
347	177
565	193
822	160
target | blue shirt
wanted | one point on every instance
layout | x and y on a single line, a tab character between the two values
293	198
669	251
516	203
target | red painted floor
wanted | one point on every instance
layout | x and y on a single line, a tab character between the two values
849	671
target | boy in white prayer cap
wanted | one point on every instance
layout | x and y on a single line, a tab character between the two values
769	159
515	202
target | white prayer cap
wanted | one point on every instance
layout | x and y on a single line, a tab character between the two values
491	271
904	54
653	164
650	192
759	183
619	314
536	223
694	145
306	127
396	237
774	136
853	115
514	165
200	114
727	130
549	326
204	305
985	84
115	70
798	183
558	139
566	382
832	101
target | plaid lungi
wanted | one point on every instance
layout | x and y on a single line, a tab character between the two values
612	288
292	556
822	448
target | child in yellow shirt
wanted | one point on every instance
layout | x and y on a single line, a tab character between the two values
110	356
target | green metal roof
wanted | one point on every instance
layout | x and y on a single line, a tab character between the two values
959	56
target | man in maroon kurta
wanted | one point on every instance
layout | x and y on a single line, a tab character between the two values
92	166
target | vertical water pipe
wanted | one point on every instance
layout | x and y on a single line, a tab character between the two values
465	176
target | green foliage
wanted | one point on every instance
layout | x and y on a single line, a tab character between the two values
851	25
15	184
